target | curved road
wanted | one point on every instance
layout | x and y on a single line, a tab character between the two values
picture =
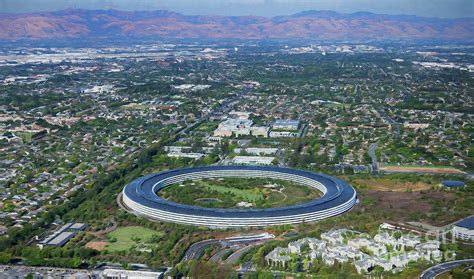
196	250
441	268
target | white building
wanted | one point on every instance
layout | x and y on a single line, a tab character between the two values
314	244
372	246
279	255
364	252
362	266
242	132
260	131
386	238
253	160
170	148
283	134
464	229
286	124
334	236
185	155
223	133
129	274
409	241
257	150
233	126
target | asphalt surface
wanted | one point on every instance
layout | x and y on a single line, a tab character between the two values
375	164
218	256
441	268
233	258
391	121
196	250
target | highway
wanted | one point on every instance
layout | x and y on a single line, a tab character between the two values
441	268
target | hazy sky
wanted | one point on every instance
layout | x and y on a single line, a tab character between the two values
436	8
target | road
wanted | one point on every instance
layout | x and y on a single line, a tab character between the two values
233	258
441	268
391	121
196	250
373	155
218	256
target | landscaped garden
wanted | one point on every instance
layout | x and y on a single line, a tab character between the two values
239	192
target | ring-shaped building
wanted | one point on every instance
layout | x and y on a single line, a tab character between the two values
141	198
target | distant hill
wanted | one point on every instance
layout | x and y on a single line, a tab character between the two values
316	25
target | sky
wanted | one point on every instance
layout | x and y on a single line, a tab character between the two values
429	8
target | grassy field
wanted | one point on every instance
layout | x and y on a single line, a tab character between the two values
421	169
207	126
124	238
135	106
228	192
383	184
250	195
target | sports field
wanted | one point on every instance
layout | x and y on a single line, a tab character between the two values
124	238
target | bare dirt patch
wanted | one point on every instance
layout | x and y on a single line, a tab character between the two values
393	185
401	206
97	245
411	169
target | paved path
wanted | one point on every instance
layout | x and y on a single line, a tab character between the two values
441	268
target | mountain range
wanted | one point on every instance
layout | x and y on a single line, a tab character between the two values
314	25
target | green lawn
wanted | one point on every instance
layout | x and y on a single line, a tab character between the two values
229	192
127	237
250	195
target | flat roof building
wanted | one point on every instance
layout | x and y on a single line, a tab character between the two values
452	183
253	160
61	239
232	126
286	124
257	150
130	274
78	227
186	155
464	229
63	234
260	131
